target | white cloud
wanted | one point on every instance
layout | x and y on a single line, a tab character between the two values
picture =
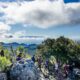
19	33
4	27
23	35
41	13
20	37
5	35
21	40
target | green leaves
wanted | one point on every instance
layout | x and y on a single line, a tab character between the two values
20	49
4	63
62	48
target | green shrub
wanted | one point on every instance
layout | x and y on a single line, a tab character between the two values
52	59
4	63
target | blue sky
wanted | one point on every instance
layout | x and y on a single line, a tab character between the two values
36	20
67	1
33	0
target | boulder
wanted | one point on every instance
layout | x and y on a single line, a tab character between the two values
3	76
24	70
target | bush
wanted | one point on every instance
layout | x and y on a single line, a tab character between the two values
4	63
52	60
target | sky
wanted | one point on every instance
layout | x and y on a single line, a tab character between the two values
35	20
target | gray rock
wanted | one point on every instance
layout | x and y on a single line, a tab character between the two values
24	70
3	76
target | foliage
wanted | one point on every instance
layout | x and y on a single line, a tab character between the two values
1	47
4	63
7	53
28	56
63	49
20	49
52	59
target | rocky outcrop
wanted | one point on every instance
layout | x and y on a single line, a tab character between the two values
24	70
3	76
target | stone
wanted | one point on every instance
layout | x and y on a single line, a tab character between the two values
24	70
3	76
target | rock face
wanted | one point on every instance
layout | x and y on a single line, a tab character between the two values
24	70
3	76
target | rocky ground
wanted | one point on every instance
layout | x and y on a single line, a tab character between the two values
3	76
23	70
26	70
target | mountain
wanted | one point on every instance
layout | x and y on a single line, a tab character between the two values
8	45
15	44
31	47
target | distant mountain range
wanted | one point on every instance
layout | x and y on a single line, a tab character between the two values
15	44
31	47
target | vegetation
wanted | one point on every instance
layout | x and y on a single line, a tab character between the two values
4	63
8	56
47	57
63	49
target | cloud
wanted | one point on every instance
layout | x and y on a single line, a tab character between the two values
19	33
13	35
5	35
4	27
21	40
73	11
20	37
23	35
41	13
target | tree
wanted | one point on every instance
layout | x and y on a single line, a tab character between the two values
20	49
63	49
